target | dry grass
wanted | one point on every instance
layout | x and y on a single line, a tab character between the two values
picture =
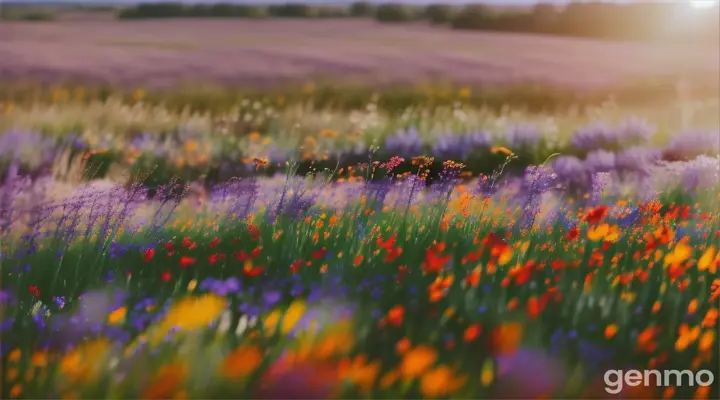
167	51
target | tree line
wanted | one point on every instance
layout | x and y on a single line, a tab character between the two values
634	21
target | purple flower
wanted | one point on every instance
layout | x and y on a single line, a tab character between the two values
449	146
404	143
635	131
637	159
595	136
571	170
600	161
272	297
689	145
523	135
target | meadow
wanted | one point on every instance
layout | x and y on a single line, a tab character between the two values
331	241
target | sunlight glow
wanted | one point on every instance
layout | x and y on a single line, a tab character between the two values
703	3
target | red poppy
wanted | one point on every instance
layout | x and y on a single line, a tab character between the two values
34	290
558	264
596	214
319	253
213	258
165	276
186	261
434	262
169	248
294	267
574	232
148	254
240	255
251	270
215	242
256	251
186	242
392	254
387	244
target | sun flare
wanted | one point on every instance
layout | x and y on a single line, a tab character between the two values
703	3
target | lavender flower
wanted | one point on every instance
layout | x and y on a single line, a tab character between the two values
600	161
571	170
689	145
523	135
404	143
637	159
595	136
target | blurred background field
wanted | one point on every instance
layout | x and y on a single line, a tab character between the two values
357	199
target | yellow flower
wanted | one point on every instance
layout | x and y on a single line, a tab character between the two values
191	146
487	374
606	232
242	361
118	316
289	319
292	316
138	95
81	364
680	253
707	260
417	361
191	313
440	382
464	93
329	133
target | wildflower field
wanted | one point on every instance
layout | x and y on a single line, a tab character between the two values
277	249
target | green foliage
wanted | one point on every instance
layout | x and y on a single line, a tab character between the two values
476	16
394	13
641	21
439	13
362	9
22	13
293	10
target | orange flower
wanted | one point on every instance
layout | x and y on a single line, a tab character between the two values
472	279
646	339
706	341
715	290
472	332
440	382
686	337
416	361
166	383
359	372
710	319
610	331
242	361
506	338
503	150
402	346
395	315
